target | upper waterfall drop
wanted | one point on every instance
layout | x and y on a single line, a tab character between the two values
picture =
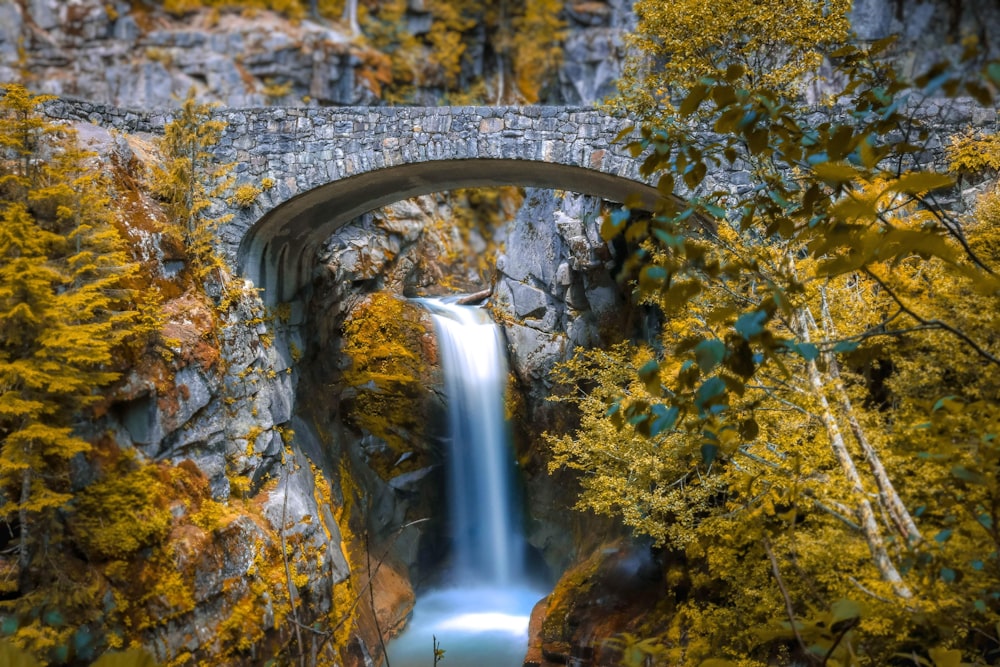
486	538
481	608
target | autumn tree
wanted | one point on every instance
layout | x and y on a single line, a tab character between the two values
189	178
812	431
521	55
776	44
62	317
537	47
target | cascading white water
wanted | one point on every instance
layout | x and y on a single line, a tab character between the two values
479	616
486	547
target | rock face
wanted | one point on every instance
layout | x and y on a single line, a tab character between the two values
594	50
555	291
556	288
126	54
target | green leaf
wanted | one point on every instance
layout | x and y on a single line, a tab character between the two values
652	279
993	72
614	223
680	293
723	96
728	121
734	72
966	475
11	656
807	351
711	392
948	403
979	93
947	575
665	185
839	143
757	140
749	429
750	324
664	419
709	354
943	535
845	346
627	130
835	173
844	609
693	100
851	208
650	375
709	452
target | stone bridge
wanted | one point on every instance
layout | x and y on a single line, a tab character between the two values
330	165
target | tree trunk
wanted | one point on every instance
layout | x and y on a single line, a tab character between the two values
24	555
866	515
887	492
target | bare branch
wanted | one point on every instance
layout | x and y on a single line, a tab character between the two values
935	323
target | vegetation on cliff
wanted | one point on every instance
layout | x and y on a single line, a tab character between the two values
103	547
518	54
814	431
62	320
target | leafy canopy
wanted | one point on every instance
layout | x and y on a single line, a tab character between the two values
776	43
812	433
63	317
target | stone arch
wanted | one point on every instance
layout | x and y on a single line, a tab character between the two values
277	252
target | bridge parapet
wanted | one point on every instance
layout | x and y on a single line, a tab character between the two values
332	164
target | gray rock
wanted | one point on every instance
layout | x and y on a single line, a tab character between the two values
528	302
193	393
10	30
872	19
534	352
410	481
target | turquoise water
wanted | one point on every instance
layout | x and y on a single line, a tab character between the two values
476	627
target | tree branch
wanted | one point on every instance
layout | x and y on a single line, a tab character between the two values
784	594
935	323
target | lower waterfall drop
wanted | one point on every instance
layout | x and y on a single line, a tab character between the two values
479	615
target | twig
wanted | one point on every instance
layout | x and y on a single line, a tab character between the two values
371	576
292	594
932	323
848	625
474	298
871	593
371	596
784	593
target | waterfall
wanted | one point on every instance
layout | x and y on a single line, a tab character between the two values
486	541
480	613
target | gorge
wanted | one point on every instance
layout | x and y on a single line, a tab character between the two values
711	329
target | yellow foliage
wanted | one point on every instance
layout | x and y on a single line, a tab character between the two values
974	152
292	8
245	195
123	512
190	178
537	47
382	339
777	43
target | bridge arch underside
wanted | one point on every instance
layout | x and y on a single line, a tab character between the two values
278	251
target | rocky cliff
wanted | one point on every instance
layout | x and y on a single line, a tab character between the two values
134	54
